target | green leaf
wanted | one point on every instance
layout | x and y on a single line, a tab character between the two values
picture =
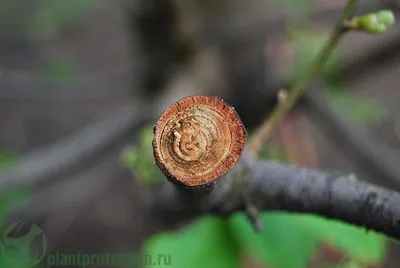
283	243
349	264
140	158
11	199
286	241
206	243
367	247
298	235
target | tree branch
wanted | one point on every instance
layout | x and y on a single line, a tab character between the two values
66	155
271	186
354	141
265	130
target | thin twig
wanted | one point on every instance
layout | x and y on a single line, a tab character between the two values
265	130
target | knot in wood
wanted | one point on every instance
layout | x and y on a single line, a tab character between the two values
197	140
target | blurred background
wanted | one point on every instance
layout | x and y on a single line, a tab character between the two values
82	82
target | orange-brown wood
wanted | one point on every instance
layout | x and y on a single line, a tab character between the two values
197	140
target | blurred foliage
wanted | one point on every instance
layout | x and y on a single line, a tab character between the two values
271	152
360	110
12	198
60	72
349	264
307	43
286	241
7	157
366	111
40	19
50	16
9	201
297	8
140	158
206	243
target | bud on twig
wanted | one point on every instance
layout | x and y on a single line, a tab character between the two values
373	23
197	140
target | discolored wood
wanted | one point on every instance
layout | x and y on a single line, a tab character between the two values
197	140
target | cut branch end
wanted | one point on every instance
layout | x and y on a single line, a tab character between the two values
197	140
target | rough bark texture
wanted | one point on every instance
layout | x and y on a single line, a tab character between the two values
271	186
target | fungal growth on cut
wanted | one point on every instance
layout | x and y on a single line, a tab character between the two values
197	140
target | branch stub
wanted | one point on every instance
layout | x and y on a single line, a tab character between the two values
197	140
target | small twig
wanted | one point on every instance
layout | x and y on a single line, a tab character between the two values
254	216
265	130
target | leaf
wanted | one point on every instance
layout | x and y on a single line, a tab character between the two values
140	158
283	243
206	243
368	247
298	235
10	199
349	264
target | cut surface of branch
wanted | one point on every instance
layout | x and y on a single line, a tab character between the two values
197	140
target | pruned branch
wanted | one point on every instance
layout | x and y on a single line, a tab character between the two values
271	186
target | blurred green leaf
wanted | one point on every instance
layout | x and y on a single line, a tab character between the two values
11	199
298	8
297	235
307	45
296	3
283	243
367	247
286	241
349	264
271	152
140	158
360	110
7	158
60	72
52	15
208	242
